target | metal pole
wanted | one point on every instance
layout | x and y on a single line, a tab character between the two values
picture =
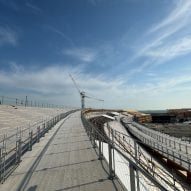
43	129
18	151
38	134
132	177
111	174
2	100
26	101
1	170
30	140
112	138
94	143
136	160
100	150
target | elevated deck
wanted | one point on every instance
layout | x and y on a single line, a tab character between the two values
63	160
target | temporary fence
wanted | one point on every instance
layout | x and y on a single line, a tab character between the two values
14	146
26	102
96	135
170	147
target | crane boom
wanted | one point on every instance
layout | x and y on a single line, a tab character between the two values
94	98
75	84
82	93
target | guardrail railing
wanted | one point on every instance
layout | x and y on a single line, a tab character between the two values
96	136
26	102
170	147
164	138
14	146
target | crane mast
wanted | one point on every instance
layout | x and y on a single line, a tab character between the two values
82	93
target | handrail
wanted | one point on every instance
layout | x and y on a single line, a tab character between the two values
179	157
13	147
94	133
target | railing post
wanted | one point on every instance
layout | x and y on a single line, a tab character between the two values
38	134
18	151
132	177
94	138
2	162
1	166
111	171
47	125
91	134
100	149
30	140
136	159
88	130
2	100
43	129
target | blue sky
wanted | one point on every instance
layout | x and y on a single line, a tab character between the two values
131	53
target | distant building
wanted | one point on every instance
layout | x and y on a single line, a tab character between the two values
181	114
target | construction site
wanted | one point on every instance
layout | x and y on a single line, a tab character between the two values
47	147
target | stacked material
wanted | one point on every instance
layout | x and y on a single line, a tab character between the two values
139	117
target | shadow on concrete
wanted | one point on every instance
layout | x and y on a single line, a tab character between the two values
80	185
72	164
32	188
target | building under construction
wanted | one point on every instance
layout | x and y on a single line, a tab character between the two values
139	116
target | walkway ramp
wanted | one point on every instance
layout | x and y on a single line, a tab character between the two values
63	160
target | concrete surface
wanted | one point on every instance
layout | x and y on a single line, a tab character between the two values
14	117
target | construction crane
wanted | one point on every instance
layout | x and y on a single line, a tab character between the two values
82	93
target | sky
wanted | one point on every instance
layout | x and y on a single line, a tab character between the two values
130	53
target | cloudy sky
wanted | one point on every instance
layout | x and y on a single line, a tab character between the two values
131	53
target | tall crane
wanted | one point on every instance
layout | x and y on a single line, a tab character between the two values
82	93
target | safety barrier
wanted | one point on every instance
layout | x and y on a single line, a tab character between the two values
5	100
170	147
14	146
96	136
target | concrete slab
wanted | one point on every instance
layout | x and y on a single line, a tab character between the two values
13	118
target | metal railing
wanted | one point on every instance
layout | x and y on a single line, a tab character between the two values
5	100
145	160
170	147
96	135
14	146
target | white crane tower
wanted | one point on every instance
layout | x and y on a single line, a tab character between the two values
82	93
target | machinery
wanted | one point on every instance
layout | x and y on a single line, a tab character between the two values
82	93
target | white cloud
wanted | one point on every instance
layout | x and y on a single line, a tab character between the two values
179	16
169	38
170	51
33	7
62	34
55	84
8	36
83	54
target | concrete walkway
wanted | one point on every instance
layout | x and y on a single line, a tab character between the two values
63	160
